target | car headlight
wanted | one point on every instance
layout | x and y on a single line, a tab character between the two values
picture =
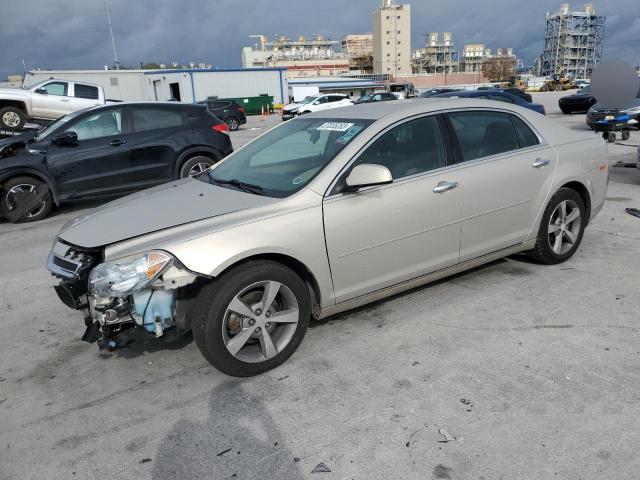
632	110
129	274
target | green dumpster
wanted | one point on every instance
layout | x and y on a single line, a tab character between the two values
252	105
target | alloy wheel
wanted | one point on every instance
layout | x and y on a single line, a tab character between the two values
260	321
10	198
232	123
198	168
564	227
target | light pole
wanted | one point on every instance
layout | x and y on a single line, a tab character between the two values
116	62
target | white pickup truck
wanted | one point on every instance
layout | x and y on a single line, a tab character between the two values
48	100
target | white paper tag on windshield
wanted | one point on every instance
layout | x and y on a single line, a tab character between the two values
335	126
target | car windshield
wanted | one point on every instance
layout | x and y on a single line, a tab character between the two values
287	158
366	98
49	129
586	89
308	100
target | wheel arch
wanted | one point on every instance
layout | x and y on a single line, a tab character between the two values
15	103
583	191
28	172
194	152
294	264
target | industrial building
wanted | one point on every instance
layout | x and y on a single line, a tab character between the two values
185	85
572	42
392	39
359	51
473	57
302	57
438	56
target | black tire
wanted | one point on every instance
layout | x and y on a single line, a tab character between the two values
625	135
233	123
544	88
566	111
611	138
192	162
213	300
12	112
14	205
543	251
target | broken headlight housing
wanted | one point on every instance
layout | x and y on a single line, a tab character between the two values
128	274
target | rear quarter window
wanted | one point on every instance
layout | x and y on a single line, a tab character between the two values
145	119
86	91
526	136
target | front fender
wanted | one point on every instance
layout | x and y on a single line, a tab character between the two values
31	172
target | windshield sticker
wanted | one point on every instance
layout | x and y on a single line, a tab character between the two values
335	126
351	132
297	180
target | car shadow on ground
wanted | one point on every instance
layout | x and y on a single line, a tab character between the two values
136	342
239	438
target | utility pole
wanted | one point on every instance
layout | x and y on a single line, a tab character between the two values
116	62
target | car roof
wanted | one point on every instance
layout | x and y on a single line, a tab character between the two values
406	108
177	105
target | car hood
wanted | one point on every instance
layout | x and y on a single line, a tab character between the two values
292	106
599	107
157	208
16	143
14	93
577	96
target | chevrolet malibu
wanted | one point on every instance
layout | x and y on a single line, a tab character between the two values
325	213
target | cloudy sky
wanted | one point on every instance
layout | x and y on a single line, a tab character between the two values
73	33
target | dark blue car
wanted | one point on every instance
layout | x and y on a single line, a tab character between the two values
491	95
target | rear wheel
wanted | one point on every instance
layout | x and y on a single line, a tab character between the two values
252	318
25	199
233	123
195	165
561	228
12	118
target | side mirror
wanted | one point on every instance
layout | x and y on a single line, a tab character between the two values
368	175
66	138
316	102
41	91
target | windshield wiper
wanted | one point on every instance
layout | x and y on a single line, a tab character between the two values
246	187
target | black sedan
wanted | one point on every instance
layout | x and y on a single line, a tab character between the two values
518	93
436	91
106	150
581	101
376	97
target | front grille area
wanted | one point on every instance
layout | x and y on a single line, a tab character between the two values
601	114
70	263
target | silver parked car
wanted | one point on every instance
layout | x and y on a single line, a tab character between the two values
325	213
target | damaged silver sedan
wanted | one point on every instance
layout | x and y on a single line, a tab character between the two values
326	213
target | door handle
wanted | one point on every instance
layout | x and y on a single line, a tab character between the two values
445	187
540	162
118	141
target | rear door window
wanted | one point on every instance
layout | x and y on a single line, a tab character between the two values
145	119
481	134
86	91
500	98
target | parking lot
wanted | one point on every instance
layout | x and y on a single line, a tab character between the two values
510	371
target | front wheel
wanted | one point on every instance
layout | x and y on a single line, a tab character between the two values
561	228
25	199
252	318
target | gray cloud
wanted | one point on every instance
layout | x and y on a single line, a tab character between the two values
73	34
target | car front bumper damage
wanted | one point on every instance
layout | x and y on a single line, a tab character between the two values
161	307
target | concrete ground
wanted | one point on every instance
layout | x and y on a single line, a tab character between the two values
510	371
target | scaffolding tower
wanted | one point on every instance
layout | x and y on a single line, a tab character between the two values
572	42
437	56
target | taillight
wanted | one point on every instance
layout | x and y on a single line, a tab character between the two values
241	109
221	127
